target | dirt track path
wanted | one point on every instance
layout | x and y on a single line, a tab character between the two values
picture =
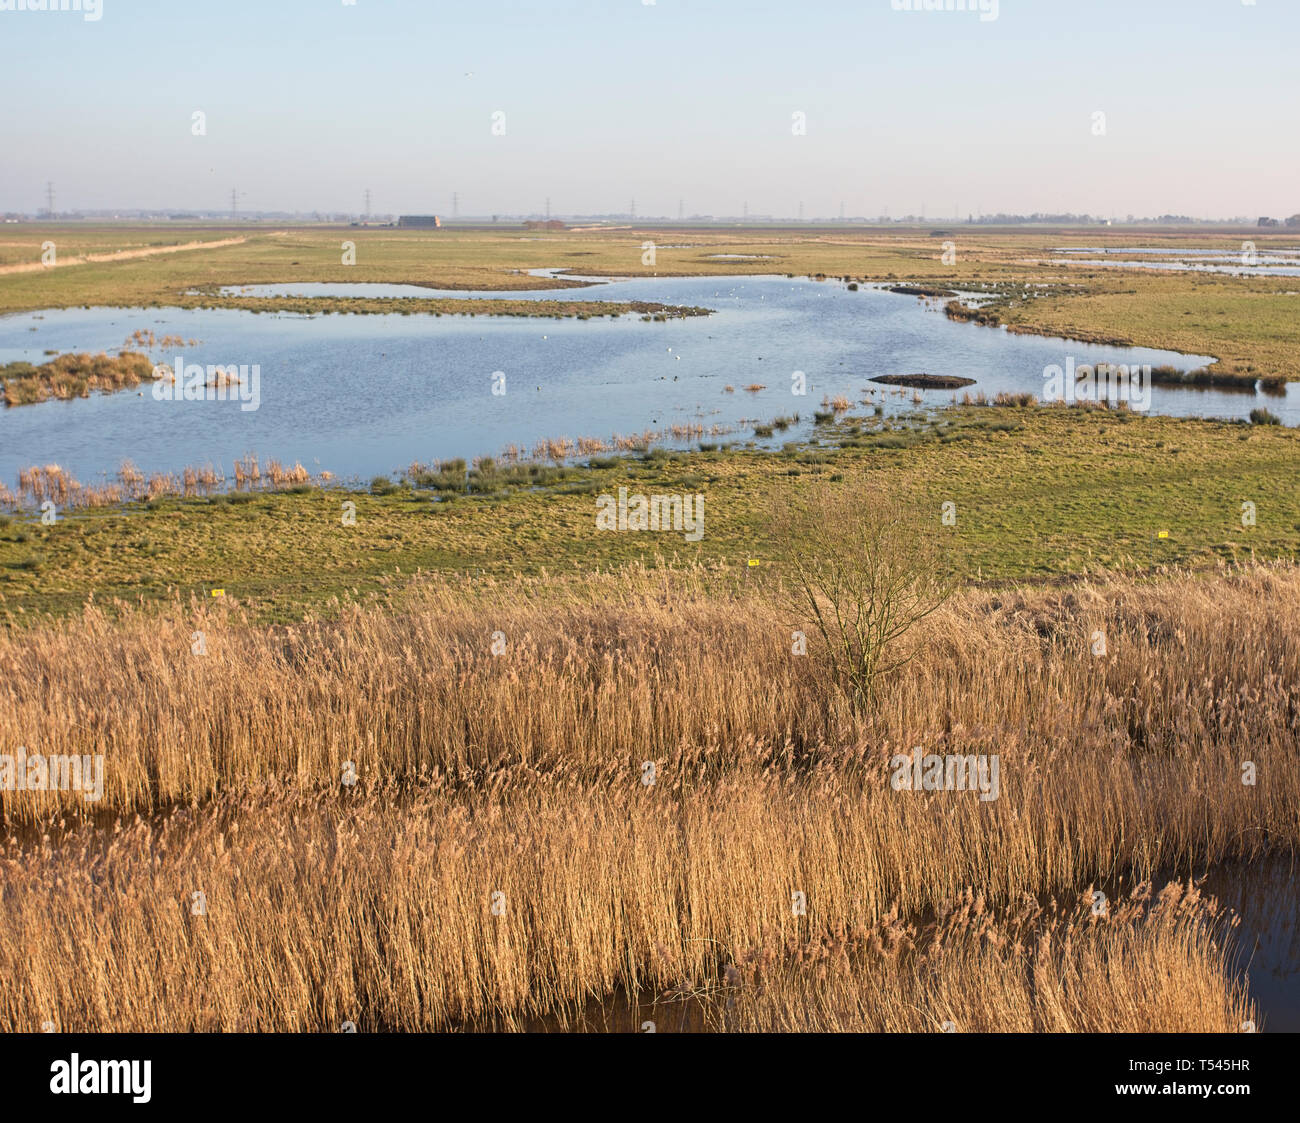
124	255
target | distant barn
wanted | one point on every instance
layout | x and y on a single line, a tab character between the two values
419	220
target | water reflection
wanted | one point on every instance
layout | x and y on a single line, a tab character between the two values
1266	895
364	395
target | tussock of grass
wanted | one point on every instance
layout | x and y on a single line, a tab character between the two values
72	376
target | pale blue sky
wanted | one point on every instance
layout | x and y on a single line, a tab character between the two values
309	102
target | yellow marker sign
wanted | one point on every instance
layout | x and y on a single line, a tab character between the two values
753	562
218	592
1162	534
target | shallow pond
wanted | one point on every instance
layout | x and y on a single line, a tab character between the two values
1239	263
366	394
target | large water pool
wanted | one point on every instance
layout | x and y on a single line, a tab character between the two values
365	394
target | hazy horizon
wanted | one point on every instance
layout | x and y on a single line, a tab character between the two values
684	109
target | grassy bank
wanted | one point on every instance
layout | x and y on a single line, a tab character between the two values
443	306
1038	492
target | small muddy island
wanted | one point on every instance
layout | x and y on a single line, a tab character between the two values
925	381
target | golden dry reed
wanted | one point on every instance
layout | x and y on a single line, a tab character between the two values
1035	969
39	483
1156	961
306	910
502	853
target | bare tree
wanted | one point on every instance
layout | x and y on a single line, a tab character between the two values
866	568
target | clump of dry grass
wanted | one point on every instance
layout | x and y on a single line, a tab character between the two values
39	483
202	480
279	475
72	376
51	482
1019	401
48	482
555	449
686	430
248	472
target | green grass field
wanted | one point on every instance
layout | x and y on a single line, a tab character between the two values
1251	324
1039	493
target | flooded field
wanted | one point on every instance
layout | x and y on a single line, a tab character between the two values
364	395
1245	262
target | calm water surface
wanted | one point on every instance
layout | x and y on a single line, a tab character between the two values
364	395
1266	895
1274	263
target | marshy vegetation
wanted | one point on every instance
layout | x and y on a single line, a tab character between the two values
432	811
54	483
500	854
73	376
441	306
1246	379
1016	473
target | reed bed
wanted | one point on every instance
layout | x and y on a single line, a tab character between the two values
1159	963
350	793
39	483
600	673
301	910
